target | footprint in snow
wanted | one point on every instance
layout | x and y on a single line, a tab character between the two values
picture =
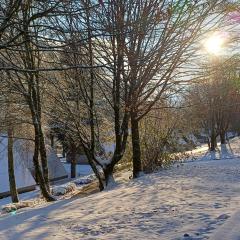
223	217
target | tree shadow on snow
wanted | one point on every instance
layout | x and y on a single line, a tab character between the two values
222	152
226	152
36	218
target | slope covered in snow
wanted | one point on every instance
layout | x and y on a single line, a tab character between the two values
193	200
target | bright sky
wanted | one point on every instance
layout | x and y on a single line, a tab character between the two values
214	43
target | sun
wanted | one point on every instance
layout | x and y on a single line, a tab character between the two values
214	44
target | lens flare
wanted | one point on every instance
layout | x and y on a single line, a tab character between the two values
214	44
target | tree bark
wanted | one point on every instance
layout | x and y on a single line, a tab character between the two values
39	141
43	155
108	174
73	160
52	140
64	150
136	149
222	137
11	174
38	172
208	142
213	142
94	167
98	175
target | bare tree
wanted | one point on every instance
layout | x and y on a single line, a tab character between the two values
22	62
148	46
8	18
215	100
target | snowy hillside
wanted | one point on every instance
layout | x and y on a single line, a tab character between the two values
194	200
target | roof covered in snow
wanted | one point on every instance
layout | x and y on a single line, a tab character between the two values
23	176
25	150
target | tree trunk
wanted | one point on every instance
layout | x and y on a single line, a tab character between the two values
73	160
108	174
38	172
73	169
91	152
11	174
43	155
208	142
213	142
136	149
98	175
39	147
94	167
64	150
223	137
34	106
52	140
30	59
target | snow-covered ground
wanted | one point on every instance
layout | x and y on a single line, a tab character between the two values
82	171
194	200
23	197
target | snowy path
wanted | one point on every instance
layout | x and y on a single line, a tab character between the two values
229	230
194	200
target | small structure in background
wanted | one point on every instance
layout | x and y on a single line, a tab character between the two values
55	167
23	166
24	179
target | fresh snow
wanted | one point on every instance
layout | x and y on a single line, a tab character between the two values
73	185
85	180
192	200
230	230
60	187
63	189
